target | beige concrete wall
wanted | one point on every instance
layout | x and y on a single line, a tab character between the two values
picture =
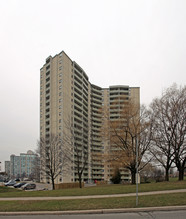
135	94
67	71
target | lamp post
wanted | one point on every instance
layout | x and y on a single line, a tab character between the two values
136	171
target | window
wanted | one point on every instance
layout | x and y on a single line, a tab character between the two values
48	123
47	116
60	87
48	79
47	67
60	106
48	85
48	91
47	61
47	73
60	80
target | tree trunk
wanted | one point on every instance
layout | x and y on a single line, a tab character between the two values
133	175
181	174
80	185
53	184
167	174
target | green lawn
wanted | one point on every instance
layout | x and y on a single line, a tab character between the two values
97	190
104	203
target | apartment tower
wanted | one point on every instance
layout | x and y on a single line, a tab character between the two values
68	97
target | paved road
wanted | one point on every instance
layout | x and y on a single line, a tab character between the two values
93	196
181	214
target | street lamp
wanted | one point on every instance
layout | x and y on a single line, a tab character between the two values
136	171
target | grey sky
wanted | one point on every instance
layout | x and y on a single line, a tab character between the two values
135	42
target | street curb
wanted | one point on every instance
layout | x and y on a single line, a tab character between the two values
99	211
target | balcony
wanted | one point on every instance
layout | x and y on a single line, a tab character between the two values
98	177
78	90
77	94
100	172
78	102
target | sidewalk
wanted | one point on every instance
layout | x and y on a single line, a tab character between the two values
92	196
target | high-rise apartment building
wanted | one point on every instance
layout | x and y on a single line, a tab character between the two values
67	96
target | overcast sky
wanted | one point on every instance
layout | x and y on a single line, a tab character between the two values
117	42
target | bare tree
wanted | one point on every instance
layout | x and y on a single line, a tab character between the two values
53	158
133	127
162	148
169	129
176	97
76	148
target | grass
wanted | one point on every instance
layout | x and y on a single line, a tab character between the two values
103	203
97	190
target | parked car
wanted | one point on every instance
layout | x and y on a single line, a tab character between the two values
28	186
10	183
18	185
